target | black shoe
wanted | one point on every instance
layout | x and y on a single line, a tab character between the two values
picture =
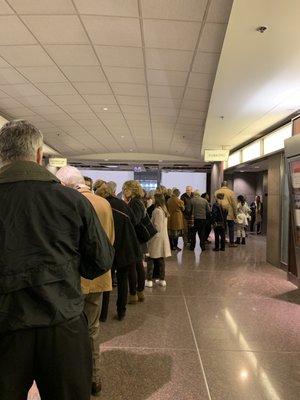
120	316
238	241
96	389
215	249
223	249
243	241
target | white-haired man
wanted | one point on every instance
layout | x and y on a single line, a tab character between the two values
93	289
49	236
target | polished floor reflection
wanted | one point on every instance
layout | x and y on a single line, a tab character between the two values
226	327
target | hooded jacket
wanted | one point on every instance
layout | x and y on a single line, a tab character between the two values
49	237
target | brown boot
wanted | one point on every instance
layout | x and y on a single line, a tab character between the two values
133	299
141	296
96	389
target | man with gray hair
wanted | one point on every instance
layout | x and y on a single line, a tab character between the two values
49	237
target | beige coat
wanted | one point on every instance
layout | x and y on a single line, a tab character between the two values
176	219
104	212
229	202
159	245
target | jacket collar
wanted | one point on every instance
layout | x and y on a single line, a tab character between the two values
19	171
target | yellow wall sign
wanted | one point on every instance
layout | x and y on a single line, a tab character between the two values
58	162
216	155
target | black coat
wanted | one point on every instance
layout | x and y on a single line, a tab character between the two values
218	214
127	247
50	235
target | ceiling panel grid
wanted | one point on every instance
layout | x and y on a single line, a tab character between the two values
112	76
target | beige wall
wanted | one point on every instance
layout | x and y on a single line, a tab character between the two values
274	210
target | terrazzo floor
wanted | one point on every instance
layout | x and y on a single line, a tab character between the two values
226	327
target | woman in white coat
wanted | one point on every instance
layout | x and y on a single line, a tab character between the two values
159	245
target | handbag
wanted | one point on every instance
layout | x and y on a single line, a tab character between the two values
145	230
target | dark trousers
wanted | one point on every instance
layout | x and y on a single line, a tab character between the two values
58	358
173	242
199	227
122	278
230	225
153	265
104	306
136	277
219	237
207	229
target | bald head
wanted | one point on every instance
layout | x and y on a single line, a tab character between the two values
189	190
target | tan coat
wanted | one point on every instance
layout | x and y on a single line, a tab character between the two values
229	202
104	212
176	220
159	245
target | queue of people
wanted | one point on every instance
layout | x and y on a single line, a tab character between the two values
65	239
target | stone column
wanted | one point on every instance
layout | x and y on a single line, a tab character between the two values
274	210
216	178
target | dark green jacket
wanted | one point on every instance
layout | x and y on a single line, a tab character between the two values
49	236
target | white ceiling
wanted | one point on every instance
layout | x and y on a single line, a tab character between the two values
258	79
151	63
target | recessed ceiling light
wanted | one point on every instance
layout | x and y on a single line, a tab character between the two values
107	159
122	137
112	166
105	109
130	149
257	167
160	160
243	171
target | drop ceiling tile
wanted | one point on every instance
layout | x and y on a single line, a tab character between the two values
8	102
10	76
129	89
132	100
47	110
125	75
72	54
120	56
164	118
171	92
212	37
201	81
67	99
113	31
92	87
30	101
176	60
190	123
219	11
59	88
198	105
191	114
74	109
124	8
43	74
136	117
139	124
174	9
206	62
42	7
163	102
56	29
99	109
4	8
135	109
84	116
25	89
164	111
171	34
116	117
100	99
163	125
84	74
167	78
197	94
20	112
3	63
13	32
24	56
